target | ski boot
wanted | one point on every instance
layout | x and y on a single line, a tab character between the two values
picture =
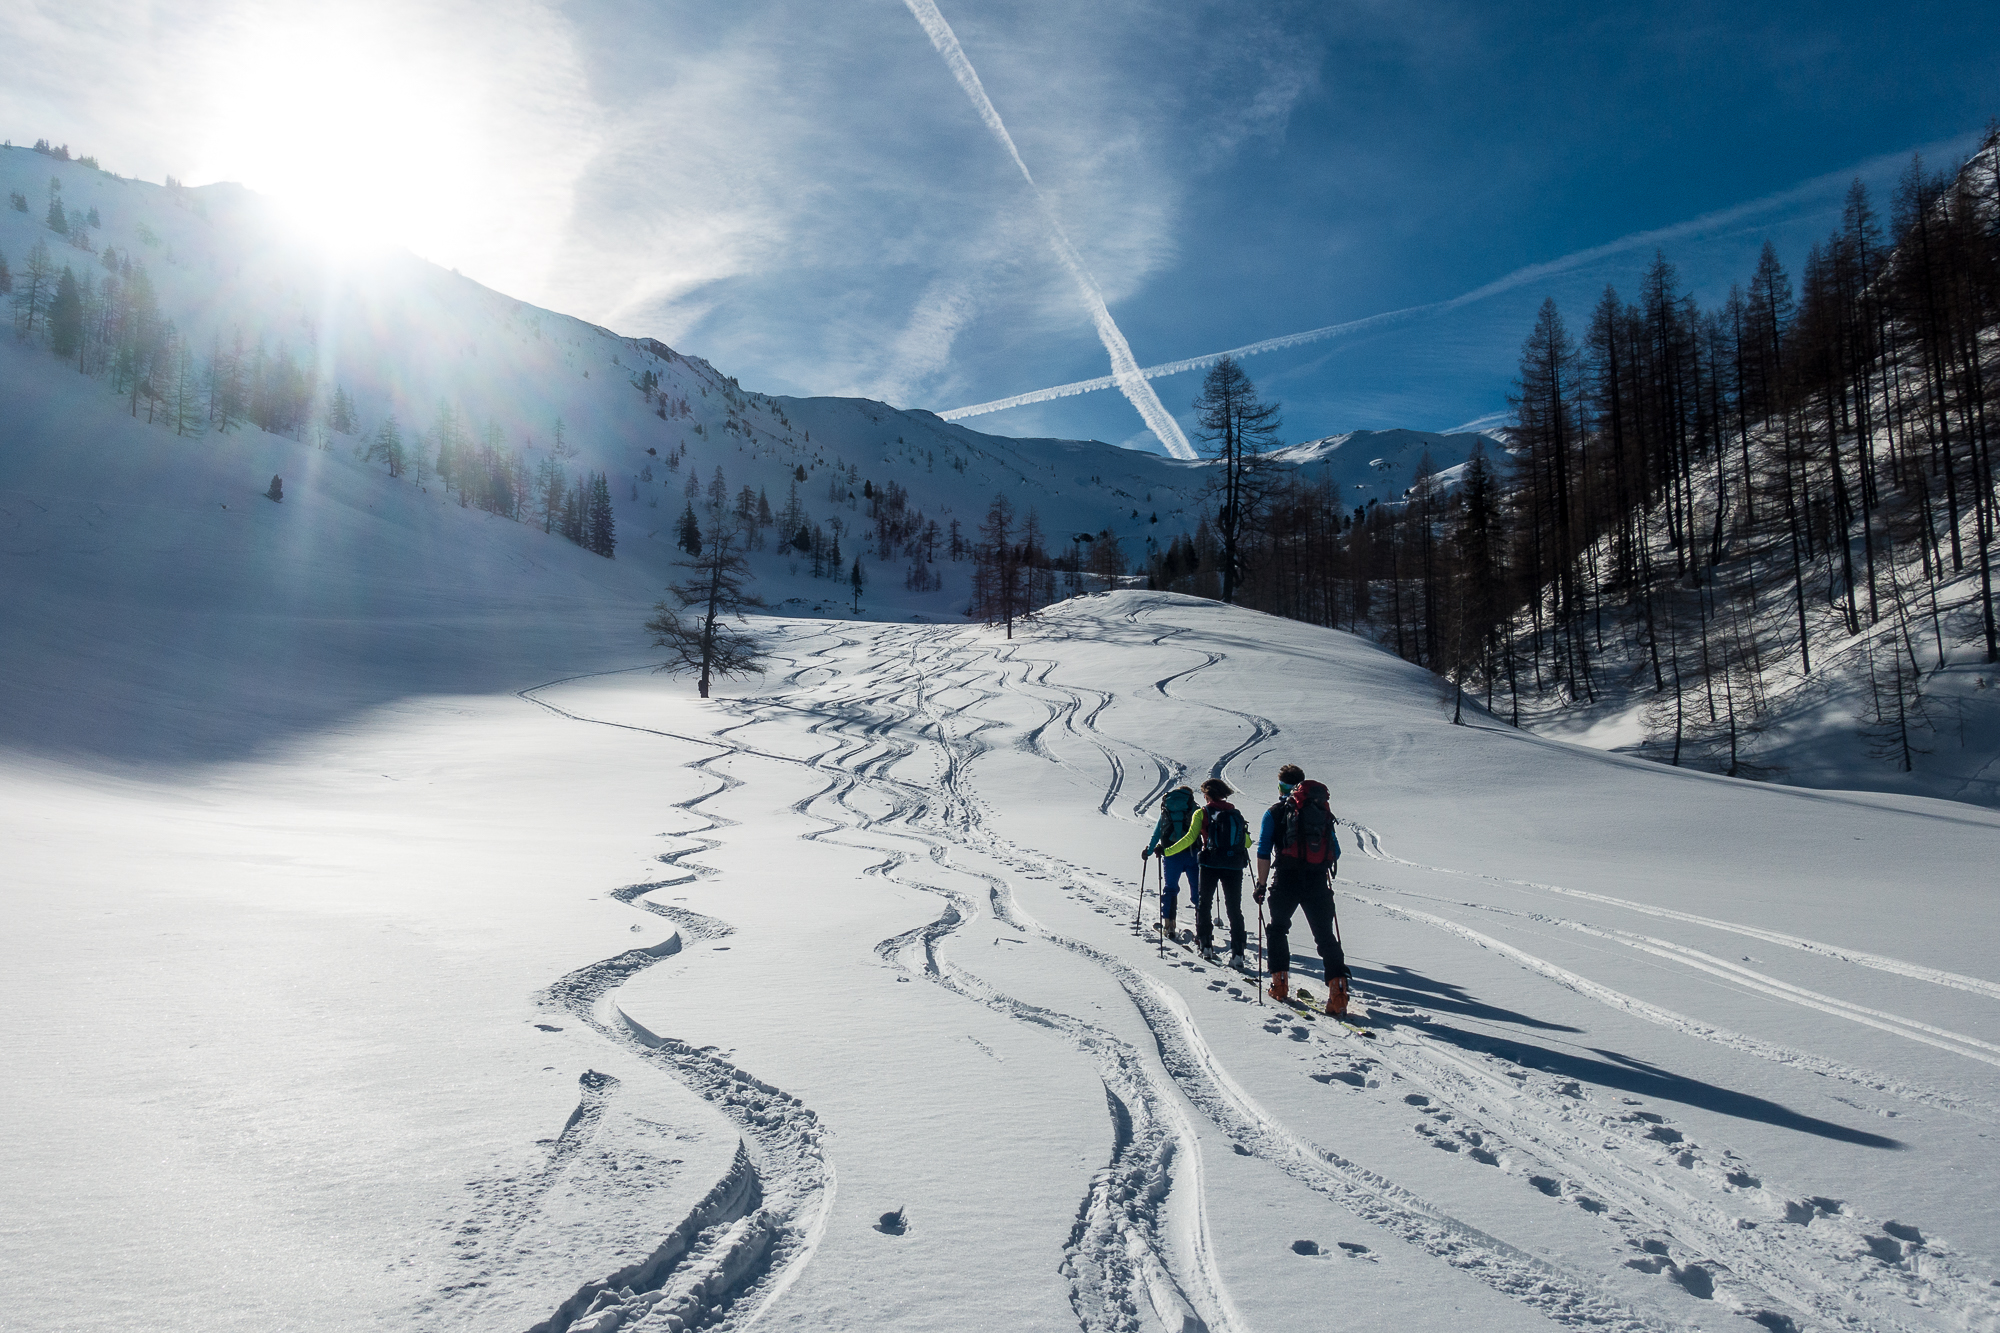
1280	986
1336	997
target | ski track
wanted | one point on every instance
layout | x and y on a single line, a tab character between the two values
1120	1218
1681	1211
1371	845
744	1244
1809	1273
1944	1039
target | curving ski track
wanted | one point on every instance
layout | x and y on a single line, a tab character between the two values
1122	1260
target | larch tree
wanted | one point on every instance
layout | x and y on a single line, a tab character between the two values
700	623
998	583
1238	428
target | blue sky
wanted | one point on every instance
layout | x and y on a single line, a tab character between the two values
807	196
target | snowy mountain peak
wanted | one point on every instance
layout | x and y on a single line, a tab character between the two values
1382	465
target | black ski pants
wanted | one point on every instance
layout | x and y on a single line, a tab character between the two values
1310	890
1231	884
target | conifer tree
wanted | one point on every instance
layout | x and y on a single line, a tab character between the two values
998	594
184	393
388	446
1238	428
694	623
66	316
601	533
549	486
37	286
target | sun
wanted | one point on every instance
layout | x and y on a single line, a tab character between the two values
363	131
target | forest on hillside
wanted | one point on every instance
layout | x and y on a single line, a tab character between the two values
1695	506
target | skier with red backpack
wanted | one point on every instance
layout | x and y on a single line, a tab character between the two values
1224	842
1177	813
1298	856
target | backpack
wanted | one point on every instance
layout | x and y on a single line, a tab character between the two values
1224	836
1304	829
1177	807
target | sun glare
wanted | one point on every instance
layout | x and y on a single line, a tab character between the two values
361	134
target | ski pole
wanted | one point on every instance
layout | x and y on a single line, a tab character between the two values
1260	944
1139	908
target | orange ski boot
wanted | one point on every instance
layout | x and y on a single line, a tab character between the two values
1280	986
1336	997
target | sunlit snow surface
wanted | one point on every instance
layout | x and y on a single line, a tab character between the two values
387	1027
388	948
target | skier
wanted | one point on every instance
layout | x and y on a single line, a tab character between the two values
1177	811
1299	830
1224	838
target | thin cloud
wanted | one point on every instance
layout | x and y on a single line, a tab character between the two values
1125	372
1653	238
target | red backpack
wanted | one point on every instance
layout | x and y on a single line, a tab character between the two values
1305	831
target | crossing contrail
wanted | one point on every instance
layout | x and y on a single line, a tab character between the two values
1125	372
1520	277
1165	368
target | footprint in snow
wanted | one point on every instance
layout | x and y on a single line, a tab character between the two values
1347	1076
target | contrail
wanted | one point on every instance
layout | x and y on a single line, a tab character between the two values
1520	277
1125	372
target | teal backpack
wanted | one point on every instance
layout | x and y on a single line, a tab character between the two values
1177	807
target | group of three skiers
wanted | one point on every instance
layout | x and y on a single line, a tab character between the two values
1297	853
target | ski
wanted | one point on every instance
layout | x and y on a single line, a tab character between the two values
1302	1002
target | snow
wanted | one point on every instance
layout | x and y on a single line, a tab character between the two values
389	946
456	1008
1367	466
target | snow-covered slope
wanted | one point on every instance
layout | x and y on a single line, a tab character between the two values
820	1006
388	947
402	337
1382	465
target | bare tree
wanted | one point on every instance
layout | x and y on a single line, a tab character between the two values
1237	428
999	591
698	634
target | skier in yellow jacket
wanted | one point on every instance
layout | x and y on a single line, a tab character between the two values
1224	838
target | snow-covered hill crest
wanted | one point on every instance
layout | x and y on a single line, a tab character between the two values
1381	466
389	336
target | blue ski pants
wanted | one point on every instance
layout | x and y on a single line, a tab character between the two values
1173	870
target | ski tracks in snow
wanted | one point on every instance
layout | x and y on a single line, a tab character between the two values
747	1240
1131	1260
1118	1250
1672	1201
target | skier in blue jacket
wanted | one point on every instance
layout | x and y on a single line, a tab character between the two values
1298	855
1177	812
